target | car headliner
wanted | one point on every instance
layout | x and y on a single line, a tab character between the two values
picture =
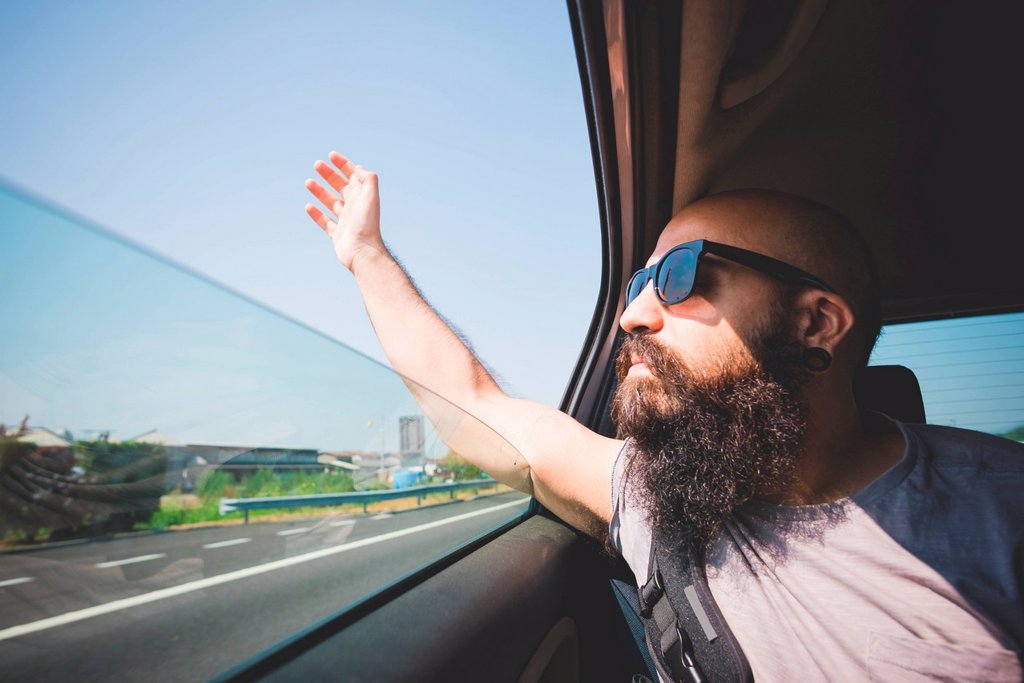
896	114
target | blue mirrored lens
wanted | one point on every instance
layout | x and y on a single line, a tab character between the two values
675	275
636	285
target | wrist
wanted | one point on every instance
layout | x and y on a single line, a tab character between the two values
369	257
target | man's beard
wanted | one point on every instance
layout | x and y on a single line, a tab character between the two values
705	444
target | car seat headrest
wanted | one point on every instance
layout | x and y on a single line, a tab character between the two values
890	389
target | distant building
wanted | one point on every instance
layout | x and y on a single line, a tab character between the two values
341	460
242	460
53	452
156	437
186	462
43	438
412	441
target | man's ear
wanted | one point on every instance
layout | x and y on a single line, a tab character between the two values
824	319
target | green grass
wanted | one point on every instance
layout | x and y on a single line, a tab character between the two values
174	512
175	516
178	510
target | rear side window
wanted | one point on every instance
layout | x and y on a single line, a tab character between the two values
971	370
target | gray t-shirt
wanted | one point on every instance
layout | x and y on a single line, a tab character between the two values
918	576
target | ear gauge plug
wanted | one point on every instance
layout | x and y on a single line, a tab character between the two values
816	359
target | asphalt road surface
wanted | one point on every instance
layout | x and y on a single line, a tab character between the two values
185	606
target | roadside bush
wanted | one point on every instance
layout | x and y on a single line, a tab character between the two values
264	483
162	519
460	468
1017	433
214	484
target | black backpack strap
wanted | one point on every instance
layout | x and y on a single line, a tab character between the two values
686	632
626	594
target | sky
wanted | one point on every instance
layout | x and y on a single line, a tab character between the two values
189	128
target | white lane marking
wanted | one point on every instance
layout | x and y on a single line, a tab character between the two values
383	515
300	530
343	522
131	560
145	598
225	544
15	582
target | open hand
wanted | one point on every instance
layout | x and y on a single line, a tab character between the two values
353	221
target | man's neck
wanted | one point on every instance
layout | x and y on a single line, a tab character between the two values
840	456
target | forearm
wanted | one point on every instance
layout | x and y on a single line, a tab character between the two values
450	383
419	344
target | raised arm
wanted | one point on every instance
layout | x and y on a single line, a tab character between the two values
567	467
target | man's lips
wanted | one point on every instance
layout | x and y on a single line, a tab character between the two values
638	366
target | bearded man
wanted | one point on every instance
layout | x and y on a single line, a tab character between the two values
835	544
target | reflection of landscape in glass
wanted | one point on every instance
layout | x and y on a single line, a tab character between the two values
971	370
135	395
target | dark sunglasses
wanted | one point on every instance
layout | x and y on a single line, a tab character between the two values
675	272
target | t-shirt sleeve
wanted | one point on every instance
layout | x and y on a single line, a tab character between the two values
628	530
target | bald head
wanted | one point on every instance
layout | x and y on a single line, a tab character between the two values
792	229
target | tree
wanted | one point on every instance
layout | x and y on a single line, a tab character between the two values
459	467
126	480
1017	433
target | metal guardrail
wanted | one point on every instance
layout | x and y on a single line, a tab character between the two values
365	497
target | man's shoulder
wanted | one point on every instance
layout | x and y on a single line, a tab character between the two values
953	481
954	448
959	511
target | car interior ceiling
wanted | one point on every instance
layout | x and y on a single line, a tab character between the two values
889	112
895	113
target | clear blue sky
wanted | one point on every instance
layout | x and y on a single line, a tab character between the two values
190	128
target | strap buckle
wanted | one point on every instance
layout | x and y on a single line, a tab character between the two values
650	593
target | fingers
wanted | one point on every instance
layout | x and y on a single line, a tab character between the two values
333	178
348	182
349	171
319	218
326	198
346	166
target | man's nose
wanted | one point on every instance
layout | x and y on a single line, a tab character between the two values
644	314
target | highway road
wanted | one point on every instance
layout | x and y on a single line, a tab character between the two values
186	605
